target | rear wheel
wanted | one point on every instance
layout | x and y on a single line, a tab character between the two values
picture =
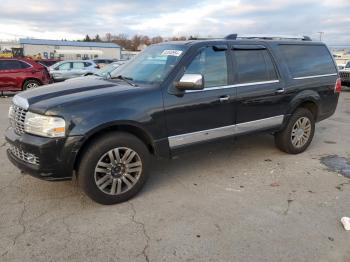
114	168
30	84
298	133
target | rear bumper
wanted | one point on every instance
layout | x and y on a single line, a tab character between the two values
55	156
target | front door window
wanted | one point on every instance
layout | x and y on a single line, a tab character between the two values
211	63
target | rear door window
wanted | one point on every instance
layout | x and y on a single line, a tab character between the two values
254	66
12	65
78	65
212	64
308	60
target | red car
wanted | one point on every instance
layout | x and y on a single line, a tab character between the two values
18	74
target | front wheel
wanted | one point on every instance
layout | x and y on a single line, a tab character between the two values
30	84
298	133
114	168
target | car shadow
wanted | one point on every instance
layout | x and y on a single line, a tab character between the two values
215	155
8	94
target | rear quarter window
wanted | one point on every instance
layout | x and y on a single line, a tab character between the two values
308	60
24	65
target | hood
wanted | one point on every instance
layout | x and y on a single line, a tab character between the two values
43	98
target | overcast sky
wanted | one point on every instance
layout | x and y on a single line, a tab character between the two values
73	19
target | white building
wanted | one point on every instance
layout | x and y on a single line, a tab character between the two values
69	49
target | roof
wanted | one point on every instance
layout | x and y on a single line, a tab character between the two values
29	41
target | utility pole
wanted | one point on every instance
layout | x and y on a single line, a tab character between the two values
321	35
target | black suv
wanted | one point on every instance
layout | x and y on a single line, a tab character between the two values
171	96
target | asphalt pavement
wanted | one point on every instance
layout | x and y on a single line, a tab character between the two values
237	200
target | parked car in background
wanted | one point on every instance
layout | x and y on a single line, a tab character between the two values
72	68
108	69
341	66
345	75
103	62
18	74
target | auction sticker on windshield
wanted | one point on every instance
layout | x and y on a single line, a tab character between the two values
171	53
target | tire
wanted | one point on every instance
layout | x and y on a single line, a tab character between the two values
110	186
284	139
30	84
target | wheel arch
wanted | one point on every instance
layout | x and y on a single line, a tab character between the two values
308	99
127	127
31	78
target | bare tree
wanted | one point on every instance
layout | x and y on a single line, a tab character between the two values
145	40
122	40
135	42
157	39
108	37
178	38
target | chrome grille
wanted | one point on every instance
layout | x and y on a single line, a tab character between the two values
344	75
17	116
24	156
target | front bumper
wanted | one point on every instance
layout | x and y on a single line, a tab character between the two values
345	77
56	156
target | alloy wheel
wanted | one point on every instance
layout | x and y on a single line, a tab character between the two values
301	132
118	171
32	85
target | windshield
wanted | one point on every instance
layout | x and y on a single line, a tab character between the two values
108	69
152	65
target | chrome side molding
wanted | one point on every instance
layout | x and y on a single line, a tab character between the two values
236	85
314	76
209	134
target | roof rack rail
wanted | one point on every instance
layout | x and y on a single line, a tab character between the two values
268	37
202	38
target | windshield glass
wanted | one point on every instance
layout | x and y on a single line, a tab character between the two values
108	69
152	65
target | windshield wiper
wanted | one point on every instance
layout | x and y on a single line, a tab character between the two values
125	79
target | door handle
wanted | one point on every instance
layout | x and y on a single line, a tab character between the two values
224	98
279	91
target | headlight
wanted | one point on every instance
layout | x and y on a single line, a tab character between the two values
47	126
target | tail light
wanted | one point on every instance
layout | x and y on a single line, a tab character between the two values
97	66
337	87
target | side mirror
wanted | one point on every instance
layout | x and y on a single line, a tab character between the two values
190	82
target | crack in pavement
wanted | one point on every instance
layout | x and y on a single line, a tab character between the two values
289	202
146	247
21	222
